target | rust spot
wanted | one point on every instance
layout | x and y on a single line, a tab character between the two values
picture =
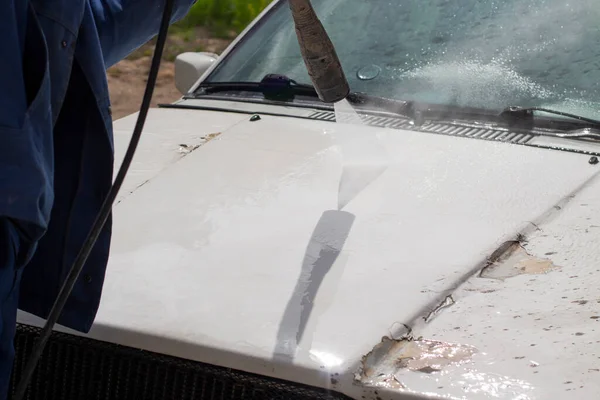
380	366
511	260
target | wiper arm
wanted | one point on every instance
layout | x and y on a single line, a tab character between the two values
418	112
515	113
585	133
517	116
272	86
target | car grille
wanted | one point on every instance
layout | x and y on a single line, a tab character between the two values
74	368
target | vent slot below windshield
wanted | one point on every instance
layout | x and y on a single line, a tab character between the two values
451	129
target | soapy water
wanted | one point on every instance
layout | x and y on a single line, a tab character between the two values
363	157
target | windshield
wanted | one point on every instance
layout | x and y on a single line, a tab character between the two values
477	53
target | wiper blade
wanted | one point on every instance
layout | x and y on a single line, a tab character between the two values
516	113
418	112
272	86
282	88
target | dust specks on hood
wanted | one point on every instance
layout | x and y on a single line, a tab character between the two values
580	302
511	260
389	357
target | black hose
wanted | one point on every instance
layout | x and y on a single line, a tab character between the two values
67	287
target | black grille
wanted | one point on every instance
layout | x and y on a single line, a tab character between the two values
76	368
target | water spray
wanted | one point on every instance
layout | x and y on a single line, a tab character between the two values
329	80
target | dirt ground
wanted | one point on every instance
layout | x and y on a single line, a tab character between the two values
127	79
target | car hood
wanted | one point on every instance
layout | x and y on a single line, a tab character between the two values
289	247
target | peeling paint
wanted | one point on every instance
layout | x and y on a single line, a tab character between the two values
186	149
380	367
390	382
447	302
511	260
211	136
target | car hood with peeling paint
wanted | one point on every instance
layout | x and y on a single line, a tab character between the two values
230	248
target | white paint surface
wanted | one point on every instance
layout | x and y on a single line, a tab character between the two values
207	254
162	139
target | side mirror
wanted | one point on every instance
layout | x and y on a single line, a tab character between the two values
189	67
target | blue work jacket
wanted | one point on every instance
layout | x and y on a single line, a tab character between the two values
56	144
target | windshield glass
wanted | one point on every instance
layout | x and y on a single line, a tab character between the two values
478	53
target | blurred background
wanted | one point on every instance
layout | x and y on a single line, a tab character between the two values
210	26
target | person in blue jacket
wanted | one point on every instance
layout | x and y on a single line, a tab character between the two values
56	148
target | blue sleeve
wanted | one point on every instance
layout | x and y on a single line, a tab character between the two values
13	99
125	25
26	157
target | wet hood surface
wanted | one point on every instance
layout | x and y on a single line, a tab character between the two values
230	248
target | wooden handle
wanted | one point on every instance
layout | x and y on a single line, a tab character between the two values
322	62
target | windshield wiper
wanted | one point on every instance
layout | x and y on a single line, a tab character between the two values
282	88
272	86
526	114
585	133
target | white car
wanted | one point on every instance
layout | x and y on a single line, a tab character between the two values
442	245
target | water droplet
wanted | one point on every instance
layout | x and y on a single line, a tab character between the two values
369	72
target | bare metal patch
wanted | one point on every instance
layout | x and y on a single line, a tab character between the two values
380	366
514	261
